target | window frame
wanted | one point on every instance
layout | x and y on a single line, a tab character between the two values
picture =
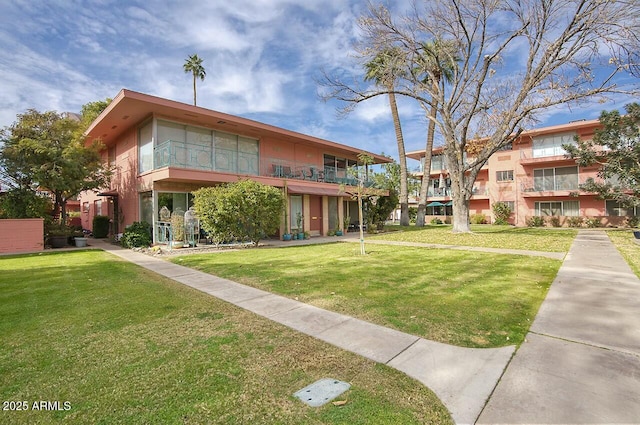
501	173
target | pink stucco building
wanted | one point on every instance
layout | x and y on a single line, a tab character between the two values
163	150
533	176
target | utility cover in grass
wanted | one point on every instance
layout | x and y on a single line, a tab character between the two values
321	392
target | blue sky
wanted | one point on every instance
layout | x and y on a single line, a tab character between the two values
262	58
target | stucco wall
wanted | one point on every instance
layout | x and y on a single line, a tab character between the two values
24	235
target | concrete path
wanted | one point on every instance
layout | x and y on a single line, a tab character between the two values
581	361
463	378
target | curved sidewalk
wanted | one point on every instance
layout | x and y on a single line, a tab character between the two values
581	360
463	378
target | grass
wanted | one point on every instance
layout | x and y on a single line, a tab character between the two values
469	299
488	236
125	346
624	241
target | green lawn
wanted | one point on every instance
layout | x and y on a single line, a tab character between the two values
471	299
125	346
489	236
624	241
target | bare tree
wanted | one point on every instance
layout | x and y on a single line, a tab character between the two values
516	59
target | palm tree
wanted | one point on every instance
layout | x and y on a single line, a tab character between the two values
193	64
384	69
437	61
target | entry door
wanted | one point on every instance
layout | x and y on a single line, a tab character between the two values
315	209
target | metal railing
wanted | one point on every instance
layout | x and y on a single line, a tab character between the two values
193	156
172	153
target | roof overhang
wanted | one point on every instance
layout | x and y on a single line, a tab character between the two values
129	109
112	193
312	190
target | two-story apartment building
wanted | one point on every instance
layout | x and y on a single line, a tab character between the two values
533	176
163	150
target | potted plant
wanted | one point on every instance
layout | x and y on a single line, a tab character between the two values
299	218
338	231
58	235
177	227
346	222
307	235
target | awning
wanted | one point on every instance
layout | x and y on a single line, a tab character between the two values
448	204
435	204
312	190
112	193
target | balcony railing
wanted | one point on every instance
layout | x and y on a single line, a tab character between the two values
193	156
564	183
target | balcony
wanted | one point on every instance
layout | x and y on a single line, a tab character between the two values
539	156
478	191
204	158
564	186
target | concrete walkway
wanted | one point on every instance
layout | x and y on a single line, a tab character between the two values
463	378
581	361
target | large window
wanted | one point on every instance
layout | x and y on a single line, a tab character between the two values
145	148
563	178
295	203
438	162
200	148
614	208
174	201
504	176
558	208
551	145
335	168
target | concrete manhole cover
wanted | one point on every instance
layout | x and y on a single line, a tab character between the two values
321	392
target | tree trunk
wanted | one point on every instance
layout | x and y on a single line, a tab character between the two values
194	89
461	184
424	186
461	215
402	159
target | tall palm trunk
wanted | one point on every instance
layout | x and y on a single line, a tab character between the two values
194	89
404	192
424	186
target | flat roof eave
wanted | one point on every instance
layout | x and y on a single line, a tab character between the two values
130	108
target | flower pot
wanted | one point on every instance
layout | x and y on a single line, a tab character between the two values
286	237
301	236
58	241
80	242
338	232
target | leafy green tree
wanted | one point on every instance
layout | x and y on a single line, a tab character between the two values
378	213
21	202
615	148
245	210
46	151
501	213
193	65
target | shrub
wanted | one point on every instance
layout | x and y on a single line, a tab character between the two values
244	210
593	222
555	221
501	212
633	221
574	221
535	221
100	226
137	235
478	219
436	221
